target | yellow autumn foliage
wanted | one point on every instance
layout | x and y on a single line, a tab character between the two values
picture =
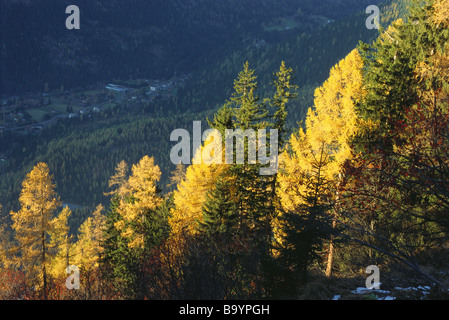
33	222
60	244
89	247
329	125
191	192
139	195
440	15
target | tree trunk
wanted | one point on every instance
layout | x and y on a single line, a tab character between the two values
67	252
44	271
330	257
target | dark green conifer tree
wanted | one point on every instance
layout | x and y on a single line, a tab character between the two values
285	93
249	111
220	215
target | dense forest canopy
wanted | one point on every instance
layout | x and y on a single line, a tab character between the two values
137	38
362	177
68	147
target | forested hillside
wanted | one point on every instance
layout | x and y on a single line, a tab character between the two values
146	39
68	148
361	181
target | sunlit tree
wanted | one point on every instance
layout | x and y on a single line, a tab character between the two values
33	223
322	148
60	244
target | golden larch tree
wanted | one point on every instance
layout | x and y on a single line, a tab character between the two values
140	196
440	15
89	247
325	142
33	223
6	245
118	182
329	124
60	244
190	194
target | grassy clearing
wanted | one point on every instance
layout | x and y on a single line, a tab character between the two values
38	115
59	107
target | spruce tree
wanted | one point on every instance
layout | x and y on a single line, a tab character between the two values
223	119
252	194
249	111
285	93
390	65
220	215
